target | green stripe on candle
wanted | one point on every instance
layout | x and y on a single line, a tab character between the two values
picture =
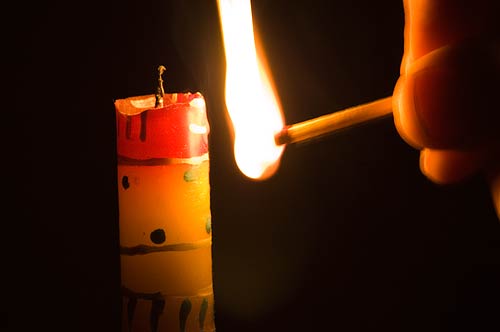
184	313
203	313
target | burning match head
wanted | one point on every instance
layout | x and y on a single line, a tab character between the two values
282	137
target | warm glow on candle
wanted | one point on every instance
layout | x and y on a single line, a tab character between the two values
252	105
164	213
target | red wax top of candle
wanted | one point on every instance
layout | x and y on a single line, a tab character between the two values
178	129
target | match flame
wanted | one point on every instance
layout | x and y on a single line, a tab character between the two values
252	104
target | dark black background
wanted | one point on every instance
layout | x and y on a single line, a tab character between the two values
347	236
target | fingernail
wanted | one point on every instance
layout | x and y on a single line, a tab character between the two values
493	176
405	116
423	162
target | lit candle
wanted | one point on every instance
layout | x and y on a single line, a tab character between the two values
164	212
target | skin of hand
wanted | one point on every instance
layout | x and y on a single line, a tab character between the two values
446	100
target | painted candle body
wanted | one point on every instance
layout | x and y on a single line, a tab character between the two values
164	214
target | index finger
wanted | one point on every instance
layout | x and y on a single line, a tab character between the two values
431	24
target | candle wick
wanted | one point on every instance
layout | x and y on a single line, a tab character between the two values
160	92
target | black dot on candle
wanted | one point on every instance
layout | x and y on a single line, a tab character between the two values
158	236
125	182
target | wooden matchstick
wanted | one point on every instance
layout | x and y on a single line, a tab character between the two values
327	124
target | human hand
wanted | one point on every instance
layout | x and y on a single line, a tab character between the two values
446	100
